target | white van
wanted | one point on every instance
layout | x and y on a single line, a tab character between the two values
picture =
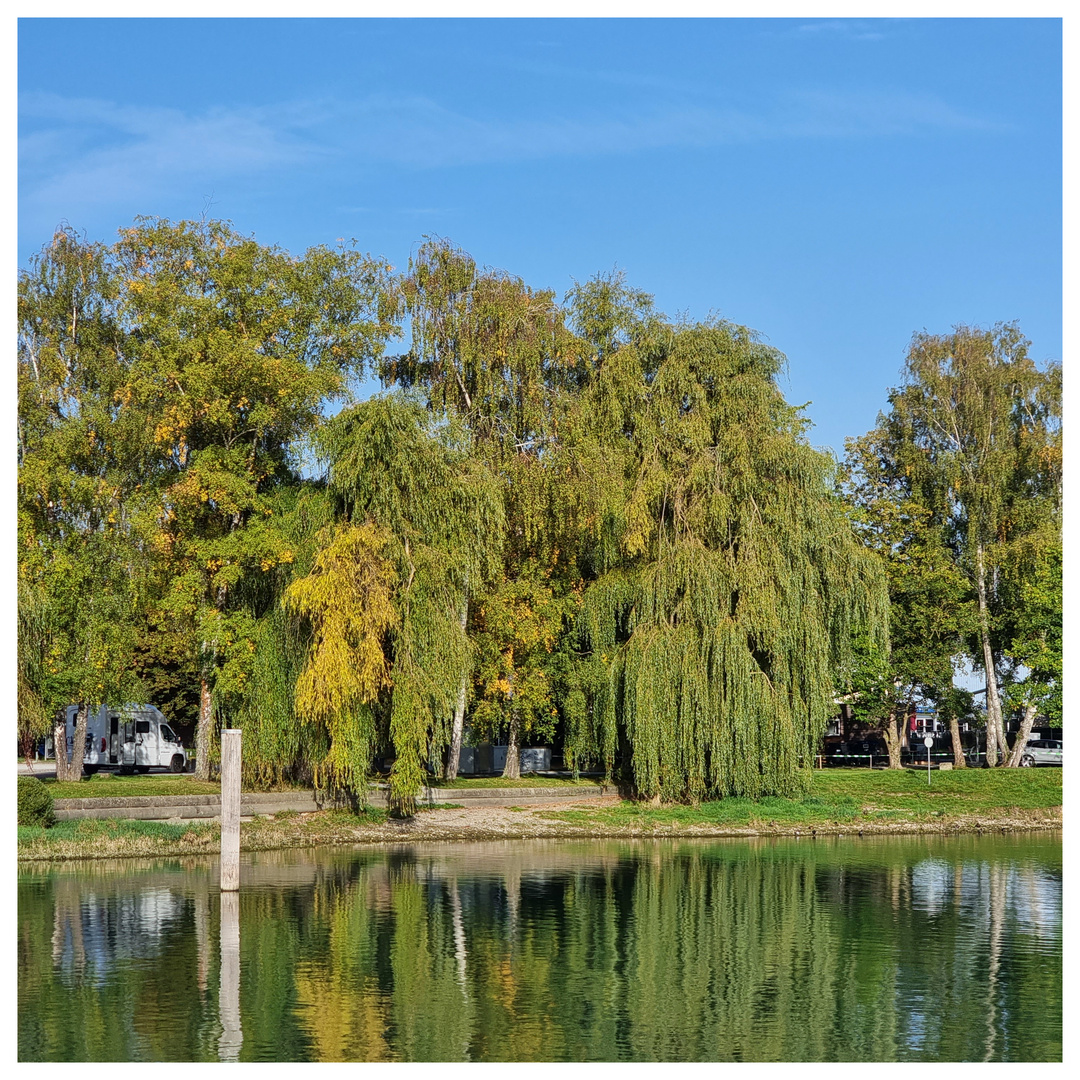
129	737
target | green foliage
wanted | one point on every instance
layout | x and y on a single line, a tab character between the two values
730	585
1032	595
441	513
483	345
35	803
517	626
168	384
931	602
32	645
959	490
80	573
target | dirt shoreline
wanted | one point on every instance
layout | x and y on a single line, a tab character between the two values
465	824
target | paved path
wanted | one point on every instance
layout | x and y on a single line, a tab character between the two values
41	769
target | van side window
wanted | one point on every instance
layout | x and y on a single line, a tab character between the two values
142	727
166	733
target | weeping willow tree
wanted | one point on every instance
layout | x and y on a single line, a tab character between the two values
282	745
655	480
32	644
728	583
440	509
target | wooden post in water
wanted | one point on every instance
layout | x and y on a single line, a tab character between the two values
230	809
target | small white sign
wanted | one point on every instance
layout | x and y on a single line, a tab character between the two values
928	741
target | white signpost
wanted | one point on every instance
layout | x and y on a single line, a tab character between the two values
928	742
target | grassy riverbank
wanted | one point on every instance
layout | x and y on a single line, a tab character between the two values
840	800
104	785
110	785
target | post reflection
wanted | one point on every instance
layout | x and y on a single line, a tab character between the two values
232	1037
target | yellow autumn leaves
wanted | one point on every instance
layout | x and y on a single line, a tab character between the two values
347	598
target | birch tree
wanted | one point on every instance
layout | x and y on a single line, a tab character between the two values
81	569
975	432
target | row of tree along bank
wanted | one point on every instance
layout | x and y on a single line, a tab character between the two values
578	522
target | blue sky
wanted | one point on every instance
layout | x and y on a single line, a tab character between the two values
834	184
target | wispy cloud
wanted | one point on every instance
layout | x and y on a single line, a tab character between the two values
419	132
105	152
86	152
854	29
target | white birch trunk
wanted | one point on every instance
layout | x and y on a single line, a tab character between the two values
202	732
1022	736
458	727
994	728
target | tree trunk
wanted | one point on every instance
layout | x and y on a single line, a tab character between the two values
60	744
892	738
73	767
958	759
1002	741
458	726
1022	736
512	769
202	732
994	728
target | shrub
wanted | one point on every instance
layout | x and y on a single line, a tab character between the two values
35	803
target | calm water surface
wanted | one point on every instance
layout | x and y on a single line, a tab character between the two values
764	950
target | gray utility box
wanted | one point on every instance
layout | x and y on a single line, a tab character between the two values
486	758
536	759
476	759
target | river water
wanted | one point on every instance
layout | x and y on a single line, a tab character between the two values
791	949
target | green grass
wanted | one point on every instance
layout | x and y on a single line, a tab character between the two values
116	838
524	782
839	796
109	785
102	785
114	832
723	812
960	791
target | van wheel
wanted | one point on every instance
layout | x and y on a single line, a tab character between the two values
90	769
126	770
177	764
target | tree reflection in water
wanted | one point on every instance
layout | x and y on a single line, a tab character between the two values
922	949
